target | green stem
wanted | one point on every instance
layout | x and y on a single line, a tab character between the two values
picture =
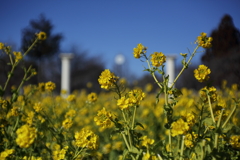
24	78
185	66
170	142
182	148
203	149
217	134
129	138
125	140
153	74
134	115
124	117
77	153
230	115
210	107
159	157
9	77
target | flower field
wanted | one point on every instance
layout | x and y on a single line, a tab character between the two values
121	122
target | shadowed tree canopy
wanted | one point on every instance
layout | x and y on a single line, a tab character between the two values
46	48
223	58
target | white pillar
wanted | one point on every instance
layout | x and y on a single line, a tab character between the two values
65	76
170	68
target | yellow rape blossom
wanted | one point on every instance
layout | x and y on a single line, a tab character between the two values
179	127
1	45
103	118
25	136
67	123
86	138
32	158
123	103
107	79
235	141
42	36
136	96
71	98
92	97
212	91
204	41
58	153
147	141
37	107
202	73
157	59
50	86
140	49
6	153
18	56
70	113
189	139
13	112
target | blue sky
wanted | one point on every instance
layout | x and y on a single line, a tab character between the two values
111	27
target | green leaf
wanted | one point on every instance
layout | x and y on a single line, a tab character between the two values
139	124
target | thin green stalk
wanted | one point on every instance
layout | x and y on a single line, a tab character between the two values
124	117
77	153
230	115
153	74
203	149
9	77
182	148
217	134
184	66
16	63
134	115
129	138
210	107
159	157
24	78
125	140
170	142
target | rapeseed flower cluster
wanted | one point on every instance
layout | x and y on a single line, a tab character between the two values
157	59
92	97
26	136
139	50
133	98
204	41
86	139
71	98
67	123
59	153
5	154
18	56
42	36
50	86
202	73
103	118
107	79
1	45
179	127
211	91
37	107
147	142
189	139
235	141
